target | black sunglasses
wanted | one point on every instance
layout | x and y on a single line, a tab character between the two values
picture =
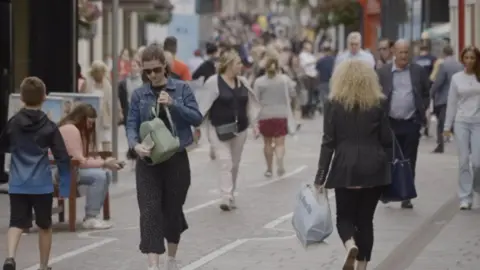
149	71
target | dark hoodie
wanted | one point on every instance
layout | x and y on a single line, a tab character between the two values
28	136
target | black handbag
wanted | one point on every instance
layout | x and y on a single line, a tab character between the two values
402	187
229	131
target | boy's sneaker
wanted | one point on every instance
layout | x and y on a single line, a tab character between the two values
48	268
96	224
9	264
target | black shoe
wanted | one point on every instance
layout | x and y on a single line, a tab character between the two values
438	149
407	205
9	264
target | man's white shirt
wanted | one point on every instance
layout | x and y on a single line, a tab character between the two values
308	62
361	55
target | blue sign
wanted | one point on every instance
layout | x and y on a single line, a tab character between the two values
186	29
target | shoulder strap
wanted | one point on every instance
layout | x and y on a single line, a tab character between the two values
156	112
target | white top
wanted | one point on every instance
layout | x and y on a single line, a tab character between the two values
308	62
463	104
361	55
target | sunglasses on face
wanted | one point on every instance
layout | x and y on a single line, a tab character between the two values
382	49
156	70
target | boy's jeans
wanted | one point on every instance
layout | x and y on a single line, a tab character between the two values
467	138
97	181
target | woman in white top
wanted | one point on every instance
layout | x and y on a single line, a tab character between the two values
463	112
274	91
96	82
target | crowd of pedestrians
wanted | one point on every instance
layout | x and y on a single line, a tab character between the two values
372	109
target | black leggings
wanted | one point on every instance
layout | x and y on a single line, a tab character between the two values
355	211
161	193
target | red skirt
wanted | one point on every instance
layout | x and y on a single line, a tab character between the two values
270	128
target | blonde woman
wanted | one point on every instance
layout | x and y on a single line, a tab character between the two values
358	137
230	107
274	91
96	82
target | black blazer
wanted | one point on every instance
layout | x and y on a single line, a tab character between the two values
420	84
361	145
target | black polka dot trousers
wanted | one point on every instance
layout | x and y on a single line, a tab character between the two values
161	193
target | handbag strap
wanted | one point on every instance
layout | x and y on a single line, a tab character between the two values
156	113
396	145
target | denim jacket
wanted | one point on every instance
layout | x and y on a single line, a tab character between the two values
184	111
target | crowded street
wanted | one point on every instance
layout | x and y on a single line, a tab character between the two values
259	235
240	135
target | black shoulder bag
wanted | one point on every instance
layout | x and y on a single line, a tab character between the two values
229	131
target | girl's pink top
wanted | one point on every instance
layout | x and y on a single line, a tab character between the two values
73	142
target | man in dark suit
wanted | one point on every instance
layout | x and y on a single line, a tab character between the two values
406	86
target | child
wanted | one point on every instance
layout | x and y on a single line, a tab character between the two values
28	136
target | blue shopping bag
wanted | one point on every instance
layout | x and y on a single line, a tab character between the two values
402	187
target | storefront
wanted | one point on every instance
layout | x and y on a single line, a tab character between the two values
40	43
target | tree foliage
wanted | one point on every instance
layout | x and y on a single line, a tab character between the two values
333	12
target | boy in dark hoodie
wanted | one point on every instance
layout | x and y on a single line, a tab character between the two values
28	136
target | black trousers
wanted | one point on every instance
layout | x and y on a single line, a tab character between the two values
440	112
161	193
355	212
407	133
310	85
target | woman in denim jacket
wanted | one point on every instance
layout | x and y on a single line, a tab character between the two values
162	188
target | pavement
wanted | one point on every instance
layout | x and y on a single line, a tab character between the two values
259	236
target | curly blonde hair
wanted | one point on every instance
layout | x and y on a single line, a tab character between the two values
355	84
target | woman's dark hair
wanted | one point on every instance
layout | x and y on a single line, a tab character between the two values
128	50
79	117
155	52
476	67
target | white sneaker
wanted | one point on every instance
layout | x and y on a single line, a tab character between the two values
228	204
171	264
153	268
465	206
96	224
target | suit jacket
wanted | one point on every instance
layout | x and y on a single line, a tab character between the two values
360	143
420	84
441	85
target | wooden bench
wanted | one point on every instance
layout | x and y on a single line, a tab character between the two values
74	194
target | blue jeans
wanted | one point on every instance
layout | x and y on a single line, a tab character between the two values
97	181
467	138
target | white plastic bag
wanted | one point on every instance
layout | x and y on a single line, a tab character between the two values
312	217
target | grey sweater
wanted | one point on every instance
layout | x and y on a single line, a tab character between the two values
463	103
272	96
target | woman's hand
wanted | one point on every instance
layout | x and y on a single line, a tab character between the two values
256	132
447	134
112	164
164	98
319	188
